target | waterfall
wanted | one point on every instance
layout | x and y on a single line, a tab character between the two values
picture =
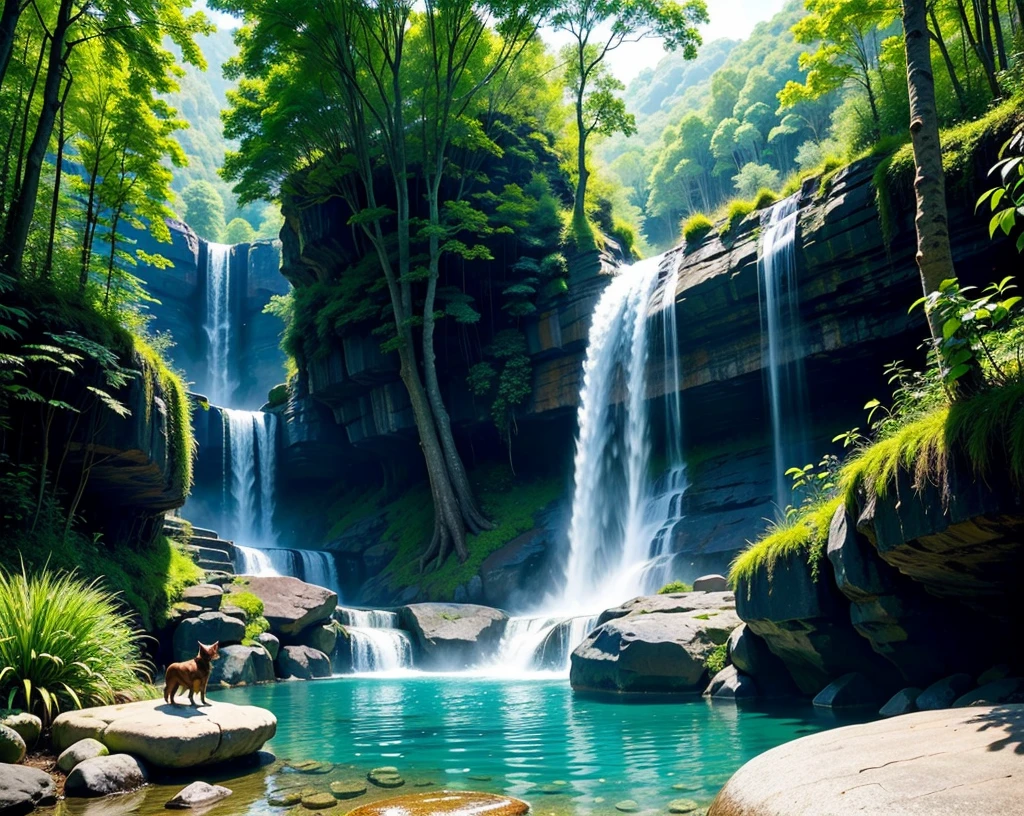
319	567
376	642
783	346
218	321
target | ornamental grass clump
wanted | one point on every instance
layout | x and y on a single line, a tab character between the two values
65	643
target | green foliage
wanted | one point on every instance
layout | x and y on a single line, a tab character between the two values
239	231
735	212
717	659
1007	200
755	179
170	386
64	643
248	602
695	228
765	198
204	210
674	587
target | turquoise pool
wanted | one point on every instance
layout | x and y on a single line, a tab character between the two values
531	738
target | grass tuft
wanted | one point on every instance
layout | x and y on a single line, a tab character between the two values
695	229
674	587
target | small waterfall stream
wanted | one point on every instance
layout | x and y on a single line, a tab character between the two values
783	343
376	642
218	322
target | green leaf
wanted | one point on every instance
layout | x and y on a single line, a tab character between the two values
950	327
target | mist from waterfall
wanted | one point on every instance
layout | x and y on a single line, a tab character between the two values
783	347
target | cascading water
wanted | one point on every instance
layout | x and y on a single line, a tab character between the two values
377	644
218	322
783	344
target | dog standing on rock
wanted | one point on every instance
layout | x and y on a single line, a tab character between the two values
191	674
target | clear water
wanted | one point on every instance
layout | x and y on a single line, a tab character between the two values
521	737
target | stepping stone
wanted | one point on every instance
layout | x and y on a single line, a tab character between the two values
348	788
386	777
310	766
285	798
318	801
627	806
683	806
685	786
479	778
198	794
444	803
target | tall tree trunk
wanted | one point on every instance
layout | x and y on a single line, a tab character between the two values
19	219
977	45
55	200
9	15
579	209
934	256
997	33
936	33
872	102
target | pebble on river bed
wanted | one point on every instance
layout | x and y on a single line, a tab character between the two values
318	801
683	806
444	803
627	806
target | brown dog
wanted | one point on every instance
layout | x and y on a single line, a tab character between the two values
191	674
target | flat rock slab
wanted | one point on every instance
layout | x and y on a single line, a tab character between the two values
169	736
677	602
289	605
450	635
444	803
955	761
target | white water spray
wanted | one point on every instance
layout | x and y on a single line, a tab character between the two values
376	642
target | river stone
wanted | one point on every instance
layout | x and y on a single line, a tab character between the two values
103	775
953	761
287	798
302	663
208	596
270	643
198	794
451	635
998	691
943	693
657	652
209	627
849	691
234	667
23	788
310	766
79	752
321	637
711	583
676	602
682	806
444	803
627	806
318	801
386	777
170	736
348	788
12	746
731	684
902	702
28	726
290	605
235	612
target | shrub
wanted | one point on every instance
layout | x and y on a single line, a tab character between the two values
695	228
673	587
737	210
717	659
765	198
64	643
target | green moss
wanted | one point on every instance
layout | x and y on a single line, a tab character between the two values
255	627
717	659
278	395
674	587
765	198
161	379
248	602
695	228
735	211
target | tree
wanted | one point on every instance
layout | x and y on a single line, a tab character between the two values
239	231
754	177
934	255
593	89
204	210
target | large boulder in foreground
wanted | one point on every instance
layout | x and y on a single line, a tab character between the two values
22	789
931	762
452	636
651	651
170	736
289	605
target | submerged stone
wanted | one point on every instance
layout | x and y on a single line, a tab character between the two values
310	766
318	801
627	806
444	803
348	788
285	798
386	777
683	806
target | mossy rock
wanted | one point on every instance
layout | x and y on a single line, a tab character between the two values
286	798
348	788
12	746
310	766
318	801
683	806
386	777
685	786
28	726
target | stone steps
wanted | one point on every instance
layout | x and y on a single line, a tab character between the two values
207	548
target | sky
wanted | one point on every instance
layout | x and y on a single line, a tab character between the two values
734	19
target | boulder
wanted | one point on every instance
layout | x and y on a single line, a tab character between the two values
321	637
1009	689
444	803
12	746
751	655
235	666
701	602
731	684
198	794
207	596
902	702
22	789
181	611
209	627
28	726
852	690
233	611
80	751
170	736
997	672
659	651
510	572
450	635
943	693
270	643
711	583
302	663
931	762
104	775
263	665
290	605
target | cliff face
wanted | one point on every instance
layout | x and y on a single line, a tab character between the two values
854	292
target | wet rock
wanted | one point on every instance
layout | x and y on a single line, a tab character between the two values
318	801
234	668
1010	689
677	602
79	752
287	798
207	596
290	605
751	655
627	806
943	693
270	643
198	794
348	788
951	761
683	806
104	775
28	726
731	684
22	789
321	637
386	777
444	803
209	627
849	691
302	663
12	746
452	635
902	702
711	583
310	766
170	736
